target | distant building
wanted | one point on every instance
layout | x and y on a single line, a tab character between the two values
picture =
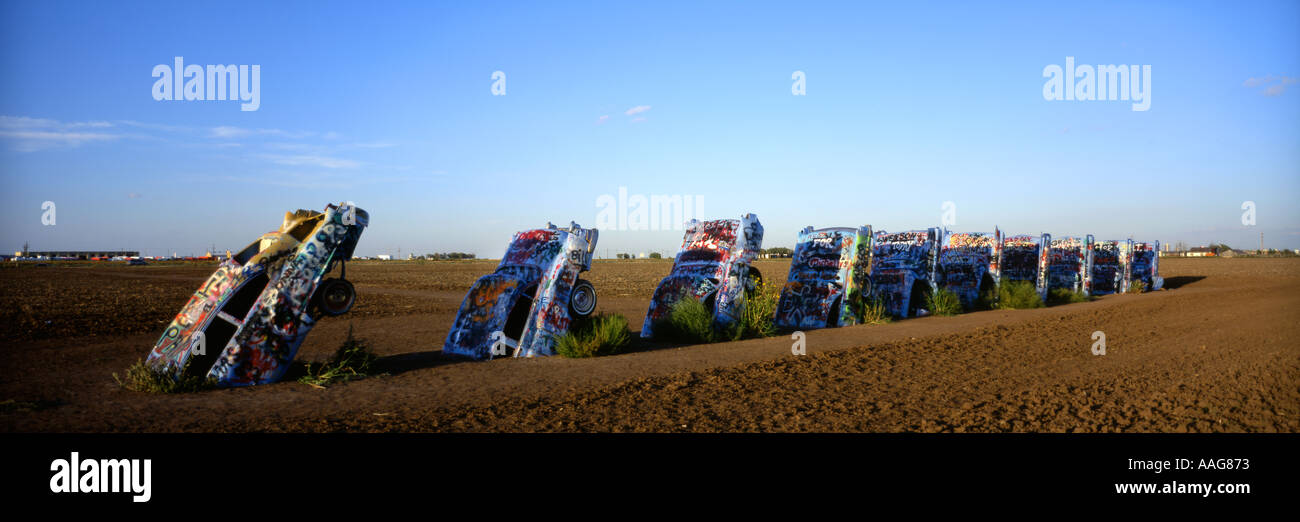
384	257
79	254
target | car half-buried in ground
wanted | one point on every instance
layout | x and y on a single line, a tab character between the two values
714	266
245	324
967	265
1024	258
903	269
830	271
530	300
1069	264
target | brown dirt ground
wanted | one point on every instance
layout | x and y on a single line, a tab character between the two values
1218	351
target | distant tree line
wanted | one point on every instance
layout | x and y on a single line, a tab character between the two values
448	256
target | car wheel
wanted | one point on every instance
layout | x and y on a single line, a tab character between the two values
335	296
582	301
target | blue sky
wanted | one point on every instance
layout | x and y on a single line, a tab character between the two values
390	105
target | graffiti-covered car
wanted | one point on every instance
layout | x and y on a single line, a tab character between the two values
713	265
245	324
830	269
903	269
1108	271
1024	258
1069	264
528	302
968	264
1142	264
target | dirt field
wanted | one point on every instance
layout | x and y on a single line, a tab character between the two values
1218	351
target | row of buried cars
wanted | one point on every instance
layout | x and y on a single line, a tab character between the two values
245	324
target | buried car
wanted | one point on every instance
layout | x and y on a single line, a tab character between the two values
903	272
1108	273
1024	258
1141	264
259	305
830	275
531	298
968	264
713	266
1069	264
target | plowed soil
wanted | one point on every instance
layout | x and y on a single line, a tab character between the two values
1217	351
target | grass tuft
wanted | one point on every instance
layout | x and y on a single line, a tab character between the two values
1137	287
1059	296
1015	295
758	317
944	302
143	377
595	336
352	361
868	309
688	321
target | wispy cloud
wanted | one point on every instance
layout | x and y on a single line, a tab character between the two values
602	119
313	161
637	110
227	132
1272	85
32	134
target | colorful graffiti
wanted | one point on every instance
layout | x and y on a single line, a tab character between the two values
900	262
1142	263
527	297
828	266
967	264
255	306
1070	264
712	265
1108	272
269	336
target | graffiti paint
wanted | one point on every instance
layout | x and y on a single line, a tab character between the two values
277	272
968	263
1070	264
269	336
828	266
712	265
900	262
527	297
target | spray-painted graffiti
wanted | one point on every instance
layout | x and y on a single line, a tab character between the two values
902	261
829	266
968	263
1108	274
1070	264
532	297
254	311
1023	259
269	337
712	265
1141	263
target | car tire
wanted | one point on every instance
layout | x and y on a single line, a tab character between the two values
582	300
335	296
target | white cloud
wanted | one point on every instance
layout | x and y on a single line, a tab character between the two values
225	131
314	161
637	110
1273	85
33	134
602	119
